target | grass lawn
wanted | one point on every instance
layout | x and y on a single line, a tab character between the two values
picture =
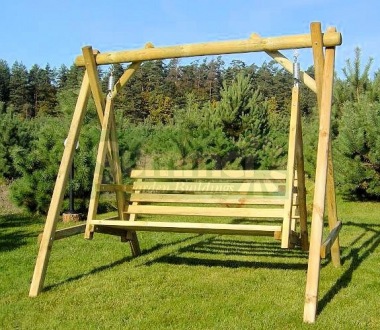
188	281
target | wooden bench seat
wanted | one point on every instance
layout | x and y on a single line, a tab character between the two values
234	194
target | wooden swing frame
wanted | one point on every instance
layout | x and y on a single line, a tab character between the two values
323	46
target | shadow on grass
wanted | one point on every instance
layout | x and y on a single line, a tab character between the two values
115	263
200	253
356	256
12	232
193	261
18	220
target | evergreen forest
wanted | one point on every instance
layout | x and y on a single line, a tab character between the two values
205	114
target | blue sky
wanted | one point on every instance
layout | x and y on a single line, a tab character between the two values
42	31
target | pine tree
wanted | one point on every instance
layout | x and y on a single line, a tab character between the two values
41	90
243	116
358	150
5	76
14	134
18	85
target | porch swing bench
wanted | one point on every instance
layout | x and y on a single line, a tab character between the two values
235	194
259	202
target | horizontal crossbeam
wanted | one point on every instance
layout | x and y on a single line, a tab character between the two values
330	39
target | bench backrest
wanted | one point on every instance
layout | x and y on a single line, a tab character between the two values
209	193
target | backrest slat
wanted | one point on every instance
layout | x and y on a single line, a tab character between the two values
215	187
242	199
209	174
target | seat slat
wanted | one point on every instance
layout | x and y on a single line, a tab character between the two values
208	199
210	174
207	211
189	227
227	187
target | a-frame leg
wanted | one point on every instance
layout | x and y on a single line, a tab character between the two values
59	190
319	62
99	169
301	195
131	236
314	264
108	144
108	137
287	221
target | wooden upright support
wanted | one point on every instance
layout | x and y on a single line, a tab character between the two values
108	143
314	264
99	168
59	190
319	62
294	116
301	186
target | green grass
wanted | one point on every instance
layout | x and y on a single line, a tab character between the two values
185	281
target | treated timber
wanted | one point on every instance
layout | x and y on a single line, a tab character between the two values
301	186
210	174
66	232
128	74
132	217
328	243
319	58
314	264
287	212
213	48
70	231
125	77
191	227
97	94
118	179
207	211
288	66
59	190
317	38
208	199
332	214
99	167
242	187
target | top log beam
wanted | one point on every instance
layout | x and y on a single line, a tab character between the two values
330	39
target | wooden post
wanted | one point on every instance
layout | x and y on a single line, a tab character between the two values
120	195
317	39
99	168
290	168
59	190
97	94
313	272
110	139
301	186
